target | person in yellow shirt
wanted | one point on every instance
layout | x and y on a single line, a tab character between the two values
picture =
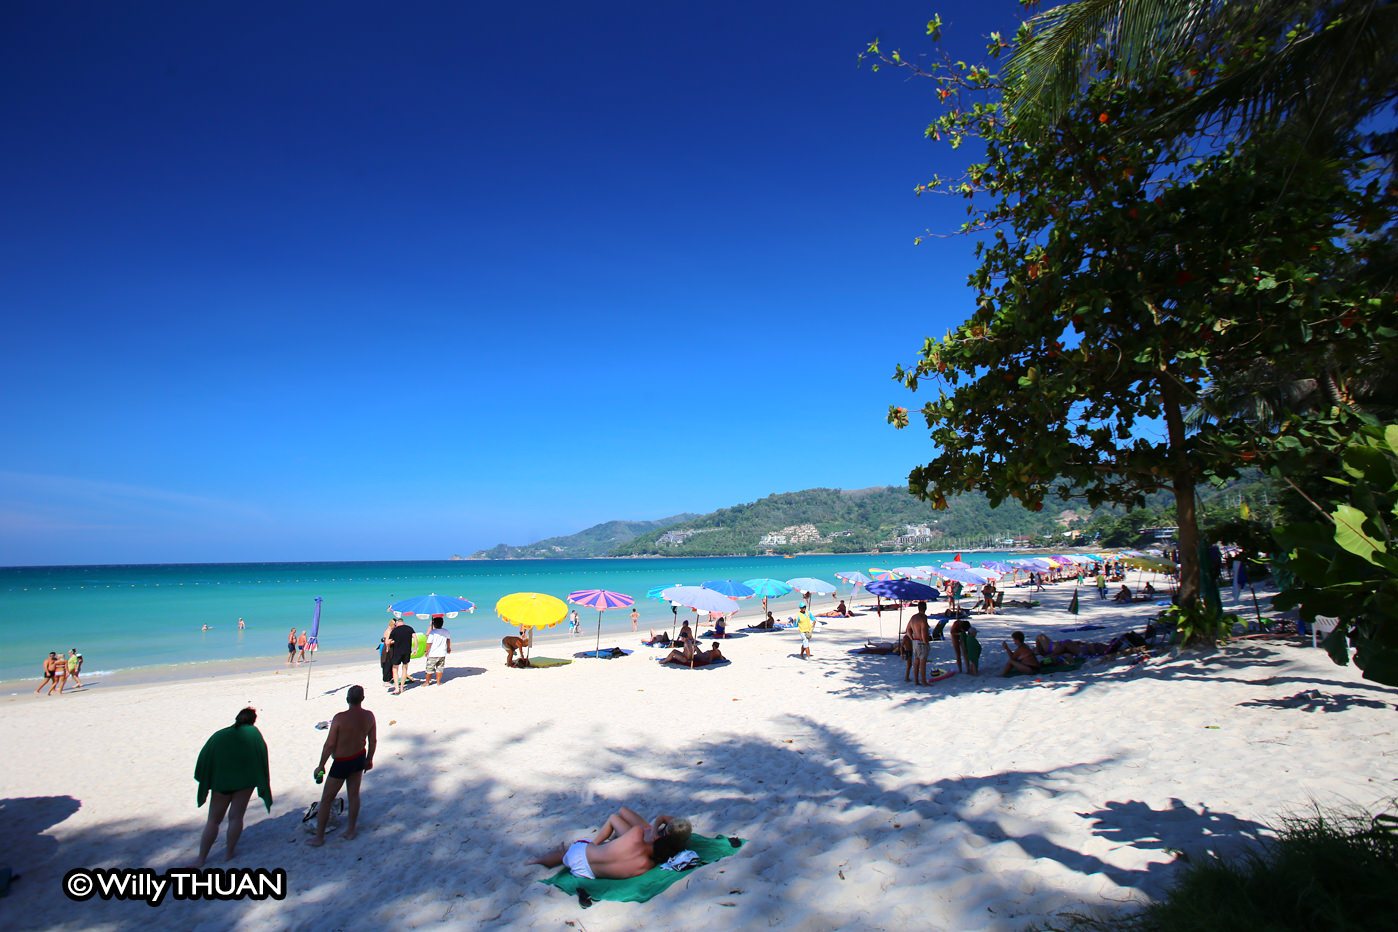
806	625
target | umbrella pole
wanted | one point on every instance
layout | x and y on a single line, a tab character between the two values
879	611
597	651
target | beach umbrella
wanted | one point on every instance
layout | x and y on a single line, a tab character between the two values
767	588
701	600
600	599
811	584
962	573
878	573
730	587
911	572
312	643
654	592
425	606
531	610
903	590
998	566
855	580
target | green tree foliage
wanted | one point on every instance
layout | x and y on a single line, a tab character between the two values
1125	269
1345	564
850	521
596	541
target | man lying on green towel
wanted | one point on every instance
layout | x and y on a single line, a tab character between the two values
627	846
622	862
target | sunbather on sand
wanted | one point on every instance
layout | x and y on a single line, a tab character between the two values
1123	594
839	611
657	640
625	847
1021	658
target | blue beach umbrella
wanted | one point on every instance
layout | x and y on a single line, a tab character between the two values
701	600
730	587
998	566
811	584
912	572
600	599
425	606
903	590
767	588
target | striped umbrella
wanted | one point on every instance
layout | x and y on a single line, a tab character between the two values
881	575
600	599
911	572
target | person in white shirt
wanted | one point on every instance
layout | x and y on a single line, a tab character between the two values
438	646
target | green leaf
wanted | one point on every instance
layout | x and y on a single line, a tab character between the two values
1350	534
1336	644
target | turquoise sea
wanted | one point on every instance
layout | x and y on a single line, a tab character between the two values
125	617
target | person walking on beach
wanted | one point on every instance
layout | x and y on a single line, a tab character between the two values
231	765
60	672
352	740
921	637
75	665
438	646
400	641
291	647
573	623
49	661
301	646
635	618
806	625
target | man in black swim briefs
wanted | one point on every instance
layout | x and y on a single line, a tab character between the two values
351	741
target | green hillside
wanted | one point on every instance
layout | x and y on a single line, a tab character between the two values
596	541
847	521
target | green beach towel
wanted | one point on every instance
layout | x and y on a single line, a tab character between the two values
543	663
642	888
971	648
234	758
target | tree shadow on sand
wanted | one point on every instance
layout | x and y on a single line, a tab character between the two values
818	807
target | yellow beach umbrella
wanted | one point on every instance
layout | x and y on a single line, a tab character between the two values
531	610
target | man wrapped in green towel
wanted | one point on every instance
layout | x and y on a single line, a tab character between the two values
232	764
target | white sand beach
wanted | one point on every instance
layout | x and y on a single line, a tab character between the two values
976	803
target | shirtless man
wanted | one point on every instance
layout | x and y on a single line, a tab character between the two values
625	847
1021	658
291	647
921	637
515	644
49	662
352	740
301	647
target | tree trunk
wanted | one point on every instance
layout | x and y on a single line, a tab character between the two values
1182	480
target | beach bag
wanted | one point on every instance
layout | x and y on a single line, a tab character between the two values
337	813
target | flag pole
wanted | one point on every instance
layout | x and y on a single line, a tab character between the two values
313	642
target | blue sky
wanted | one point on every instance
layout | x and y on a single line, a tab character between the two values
346	281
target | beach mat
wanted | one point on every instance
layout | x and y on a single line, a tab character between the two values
684	666
543	663
1053	666
642	888
606	653
780	627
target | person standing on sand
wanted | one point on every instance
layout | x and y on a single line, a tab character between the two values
921	637
231	765
75	665
400	640
60	672
635	618
806	625
352	740
291	647
301	646
438	646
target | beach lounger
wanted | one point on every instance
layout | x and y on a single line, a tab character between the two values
1322	628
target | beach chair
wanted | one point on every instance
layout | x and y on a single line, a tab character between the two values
1321	628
